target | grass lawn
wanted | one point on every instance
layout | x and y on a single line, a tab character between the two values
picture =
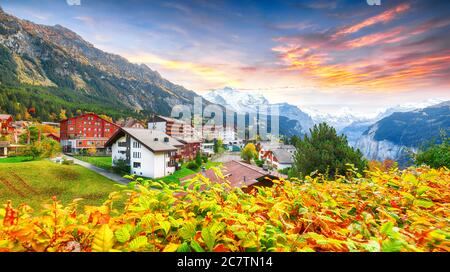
15	159
102	162
34	183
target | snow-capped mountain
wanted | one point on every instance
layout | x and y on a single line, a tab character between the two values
246	102
236	101
356	129
339	120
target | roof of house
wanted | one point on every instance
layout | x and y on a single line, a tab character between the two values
4	144
160	118
83	115
5	116
152	139
283	156
239	174
129	122
188	140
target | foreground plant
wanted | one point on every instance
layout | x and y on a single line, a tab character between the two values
384	211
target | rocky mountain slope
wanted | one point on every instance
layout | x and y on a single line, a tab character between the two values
56	59
394	136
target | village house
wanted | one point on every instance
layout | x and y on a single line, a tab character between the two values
276	155
241	174
191	146
172	127
213	132
84	132
130	122
149	153
54	136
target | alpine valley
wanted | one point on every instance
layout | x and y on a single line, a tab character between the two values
49	73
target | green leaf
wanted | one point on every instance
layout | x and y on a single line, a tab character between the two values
423	203
391	245
196	246
165	225
209	238
138	242
187	231
184	248
103	239
422	189
387	228
123	234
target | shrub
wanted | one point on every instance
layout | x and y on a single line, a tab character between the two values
121	167
259	163
198	159
205	159
435	155
249	153
192	166
395	211
67	162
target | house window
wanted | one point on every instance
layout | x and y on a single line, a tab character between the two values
80	143
136	145
136	155
71	128
136	165
122	144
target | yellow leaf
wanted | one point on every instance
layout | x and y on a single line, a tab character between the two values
103	239
171	247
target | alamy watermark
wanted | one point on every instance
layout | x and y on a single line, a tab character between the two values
262	123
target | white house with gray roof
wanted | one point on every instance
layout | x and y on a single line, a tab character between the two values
149	153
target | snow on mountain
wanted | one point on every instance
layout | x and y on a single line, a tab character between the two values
246	102
235	100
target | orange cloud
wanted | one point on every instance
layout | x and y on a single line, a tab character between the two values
376	38
381	18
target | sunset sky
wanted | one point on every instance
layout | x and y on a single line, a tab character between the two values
320	54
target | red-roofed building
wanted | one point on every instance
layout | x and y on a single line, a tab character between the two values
85	131
241	174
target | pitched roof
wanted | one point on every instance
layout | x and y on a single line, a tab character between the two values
239	174
5	116
152	139
283	156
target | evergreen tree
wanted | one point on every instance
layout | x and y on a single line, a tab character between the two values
325	152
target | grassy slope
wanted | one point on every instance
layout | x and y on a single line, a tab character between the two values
40	180
15	159
102	162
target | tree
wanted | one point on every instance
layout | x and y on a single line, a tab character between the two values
92	151
198	159
106	117
249	153
294	140
325	152
435	155
62	114
218	146
46	148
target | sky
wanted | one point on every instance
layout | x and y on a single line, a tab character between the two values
321	54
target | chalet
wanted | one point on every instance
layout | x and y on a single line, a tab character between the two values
240	174
130	122
54	136
86	131
6	127
277	155
172	127
149	153
190	148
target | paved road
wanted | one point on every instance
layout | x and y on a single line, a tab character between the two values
103	172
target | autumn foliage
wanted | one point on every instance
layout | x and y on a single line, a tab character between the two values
382	211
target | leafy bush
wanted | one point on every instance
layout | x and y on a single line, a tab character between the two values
192	166
121	167
198	159
259	163
386	211
47	148
249	153
67	162
435	155
205	159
